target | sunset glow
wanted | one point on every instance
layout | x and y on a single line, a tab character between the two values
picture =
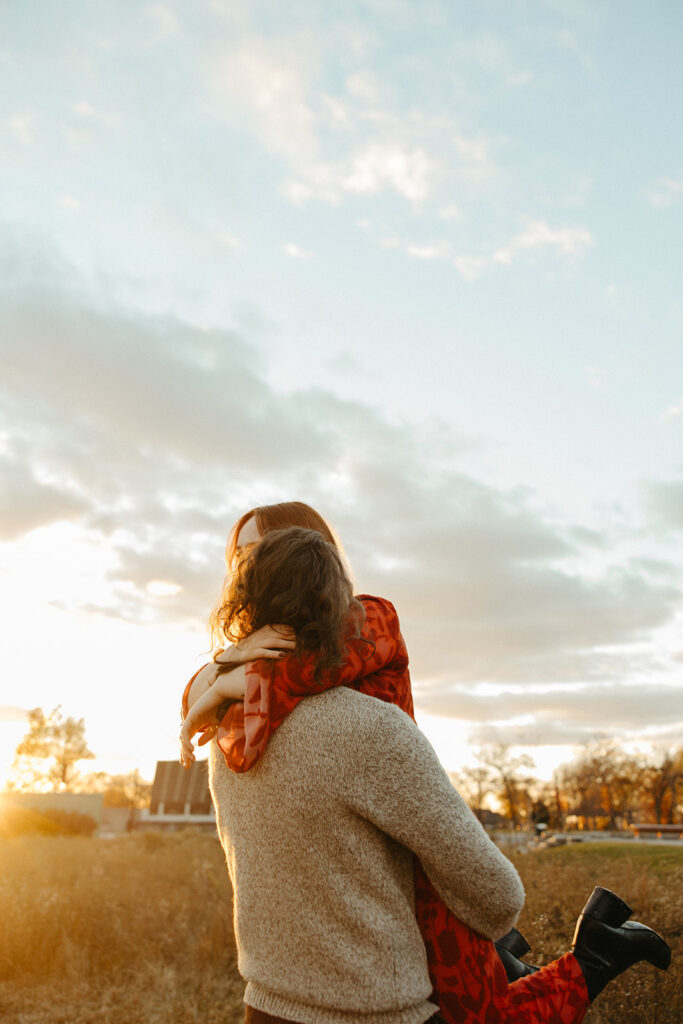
416	265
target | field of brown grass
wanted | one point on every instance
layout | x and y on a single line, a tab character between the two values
137	930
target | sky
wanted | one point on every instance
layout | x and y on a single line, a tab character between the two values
418	265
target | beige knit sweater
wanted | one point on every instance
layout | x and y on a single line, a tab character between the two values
318	838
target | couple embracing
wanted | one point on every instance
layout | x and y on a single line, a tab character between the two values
365	890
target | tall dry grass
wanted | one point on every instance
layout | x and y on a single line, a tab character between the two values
650	879
138	930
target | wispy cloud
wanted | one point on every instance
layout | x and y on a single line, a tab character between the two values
470	267
297	253
593	376
69	203
271	82
21	127
83	109
164	18
518	78
665	192
538	235
351	143
672	412
450	212
229	240
418	250
664	499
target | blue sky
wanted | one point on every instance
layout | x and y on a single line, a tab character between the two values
418	265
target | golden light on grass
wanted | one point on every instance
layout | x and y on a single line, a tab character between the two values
138	929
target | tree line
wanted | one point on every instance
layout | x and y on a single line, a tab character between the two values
603	787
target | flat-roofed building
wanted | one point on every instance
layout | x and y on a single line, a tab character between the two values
180	798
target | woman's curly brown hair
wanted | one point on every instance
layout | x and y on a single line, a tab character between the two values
292	577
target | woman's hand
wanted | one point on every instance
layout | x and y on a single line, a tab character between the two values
266	642
203	712
186	748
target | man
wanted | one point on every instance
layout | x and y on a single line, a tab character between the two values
319	838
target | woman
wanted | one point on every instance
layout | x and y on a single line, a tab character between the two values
467	976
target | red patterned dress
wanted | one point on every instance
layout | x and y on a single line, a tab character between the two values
470	984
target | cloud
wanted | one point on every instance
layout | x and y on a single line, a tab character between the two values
153	436
165	18
354	142
83	109
665	192
297	253
672	412
27	502
378	166
436	250
270	82
21	126
664	500
229	240
69	203
374	168
571	716
450	212
538	234
470	267
517	78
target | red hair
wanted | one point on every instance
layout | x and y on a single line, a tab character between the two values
279	517
268	519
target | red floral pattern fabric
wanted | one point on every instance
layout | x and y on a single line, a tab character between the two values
469	980
376	664
470	984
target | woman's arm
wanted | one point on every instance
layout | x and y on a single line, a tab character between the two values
228	686
380	647
267	642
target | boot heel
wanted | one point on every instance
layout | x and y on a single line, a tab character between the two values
510	948
515	942
606	906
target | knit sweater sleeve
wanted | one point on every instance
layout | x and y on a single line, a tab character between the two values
406	793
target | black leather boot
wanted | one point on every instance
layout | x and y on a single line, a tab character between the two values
510	948
605	943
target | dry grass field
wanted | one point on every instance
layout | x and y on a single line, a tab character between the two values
137	930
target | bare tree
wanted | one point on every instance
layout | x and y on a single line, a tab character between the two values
603	785
661	780
49	752
512	785
474	782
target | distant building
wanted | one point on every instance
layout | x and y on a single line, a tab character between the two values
50	813
180	798
80	803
